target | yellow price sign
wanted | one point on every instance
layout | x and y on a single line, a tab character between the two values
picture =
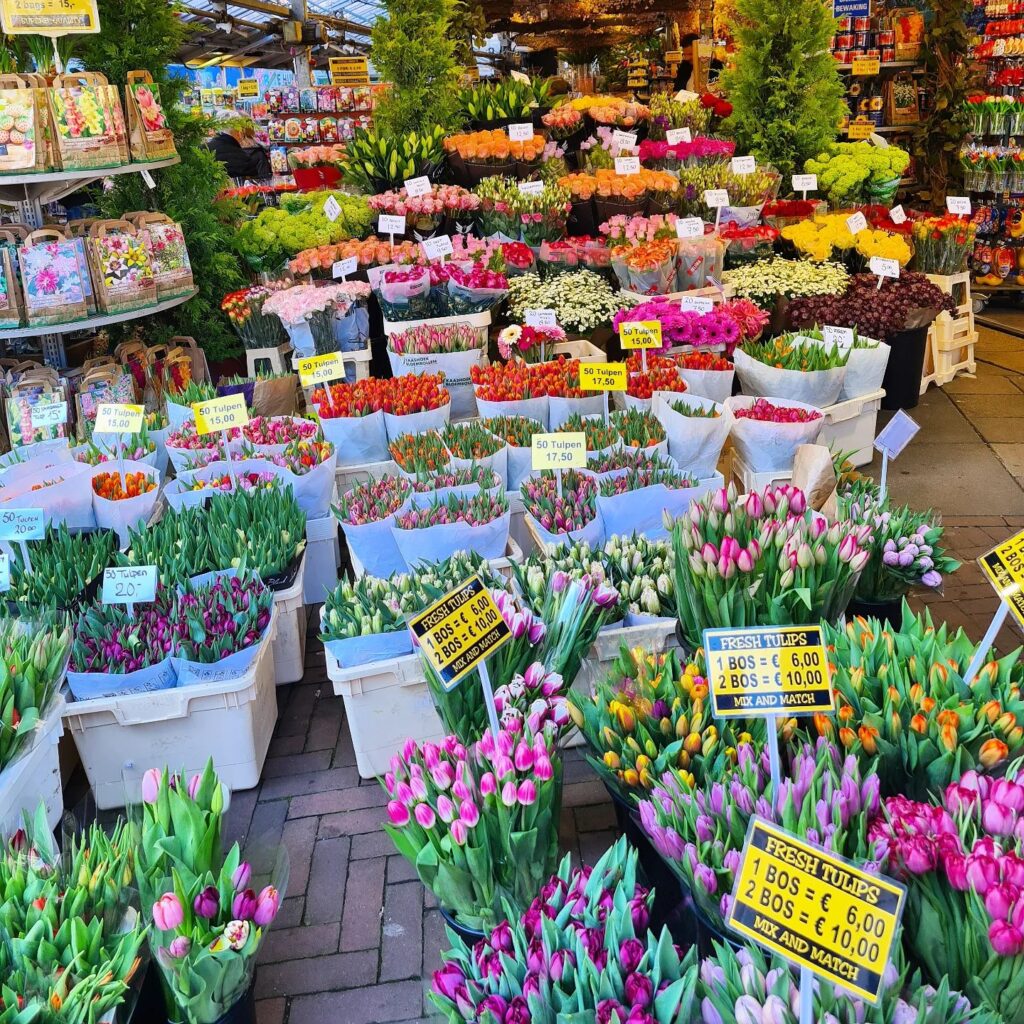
1004	566
321	369
220	414
816	910
860	130
460	630
866	66
248	89
640	334
349	70
602	376
49	17
775	670
118	419
559	451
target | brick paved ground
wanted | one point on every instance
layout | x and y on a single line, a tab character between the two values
357	934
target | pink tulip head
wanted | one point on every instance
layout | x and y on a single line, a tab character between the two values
425	816
524	757
542	768
179	947
207	903
459	832
709	553
469	813
445	809
720	501
744	562
398	812
527	792
240	877
267	904
151	786
1000	900
193	786
243	906
1006	939
168	912
487	784
509	794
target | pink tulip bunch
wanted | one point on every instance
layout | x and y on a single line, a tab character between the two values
768	412
274	430
427	339
188	438
475	510
488	811
572	511
963	862
373	501
536	699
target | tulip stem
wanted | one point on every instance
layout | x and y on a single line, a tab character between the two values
986	642
806	996
492	711
773	756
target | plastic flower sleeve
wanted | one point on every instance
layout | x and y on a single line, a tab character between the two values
695	442
817	388
765	445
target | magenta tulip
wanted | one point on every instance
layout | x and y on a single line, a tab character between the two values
244	905
240	878
460	834
267	904
207	903
168	912
398	813
179	947
527	792
1005	938
425	815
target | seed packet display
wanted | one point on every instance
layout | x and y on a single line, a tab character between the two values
85	136
22	150
121	267
52	278
149	136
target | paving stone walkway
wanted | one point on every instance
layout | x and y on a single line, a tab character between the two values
358	937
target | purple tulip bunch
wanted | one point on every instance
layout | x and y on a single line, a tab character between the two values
534	701
963	861
581	948
747	986
109	639
572	511
699	831
489	814
219	619
373	501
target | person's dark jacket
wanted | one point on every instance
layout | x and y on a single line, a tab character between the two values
237	161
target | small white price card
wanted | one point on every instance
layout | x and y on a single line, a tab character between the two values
520	132
220	414
540	318
391	224
856	223
559	451
49	414
624	140
320	369
896	434
689	227
342	268
627	165
960	205
417	186
22	524
148	179
743	165
898	215
438	247
531	188
5	572
129	584
676	135
883	267
696	304
841	336
716	197
118	419
805	182
332	209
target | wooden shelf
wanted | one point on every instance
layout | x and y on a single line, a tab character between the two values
892	65
94	322
49	186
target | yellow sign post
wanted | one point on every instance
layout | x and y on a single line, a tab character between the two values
459	632
858	131
816	910
222	414
640	334
350	71
321	369
603	377
1004	567
49	17
119	419
559	451
248	89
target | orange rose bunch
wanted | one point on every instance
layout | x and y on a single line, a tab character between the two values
370	252
493	147
605	182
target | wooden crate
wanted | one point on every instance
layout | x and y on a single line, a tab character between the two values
952	337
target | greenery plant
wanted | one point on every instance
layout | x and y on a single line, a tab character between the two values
147	35
414	50
784	88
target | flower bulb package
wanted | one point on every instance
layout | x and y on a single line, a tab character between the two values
149	136
22	150
84	120
168	254
51	276
121	267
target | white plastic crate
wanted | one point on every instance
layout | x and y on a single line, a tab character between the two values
290	636
580	348
517	530
501	566
951	338
850	426
34	776
347	477
386	703
747	480
231	720
323	555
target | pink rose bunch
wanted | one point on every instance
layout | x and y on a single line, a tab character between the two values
294	305
767	412
440	200
621	230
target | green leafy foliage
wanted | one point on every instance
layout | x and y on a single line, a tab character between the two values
413	48
376	161
146	35
784	88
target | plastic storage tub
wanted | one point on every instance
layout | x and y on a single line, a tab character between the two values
231	720
386	703
323	555
850	426
290	636
34	776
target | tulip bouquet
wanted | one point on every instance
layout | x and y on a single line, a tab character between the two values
71	937
943	244
637	429
618	460
580	949
420	454
373	501
470	441
648	474
699	829
575	509
191	392
221	618
302	457
905	549
474	510
207	919
135	450
109	640
901	698
649	714
34	655
643	571
599	435
426	339
703	361
225	482
749	985
245	311
765	560
274	430
783	354
480	825
399	396
178	545
768	412
482	476
108	485
643	386
63	565
534	578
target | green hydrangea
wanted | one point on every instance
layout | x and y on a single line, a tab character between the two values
846	170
